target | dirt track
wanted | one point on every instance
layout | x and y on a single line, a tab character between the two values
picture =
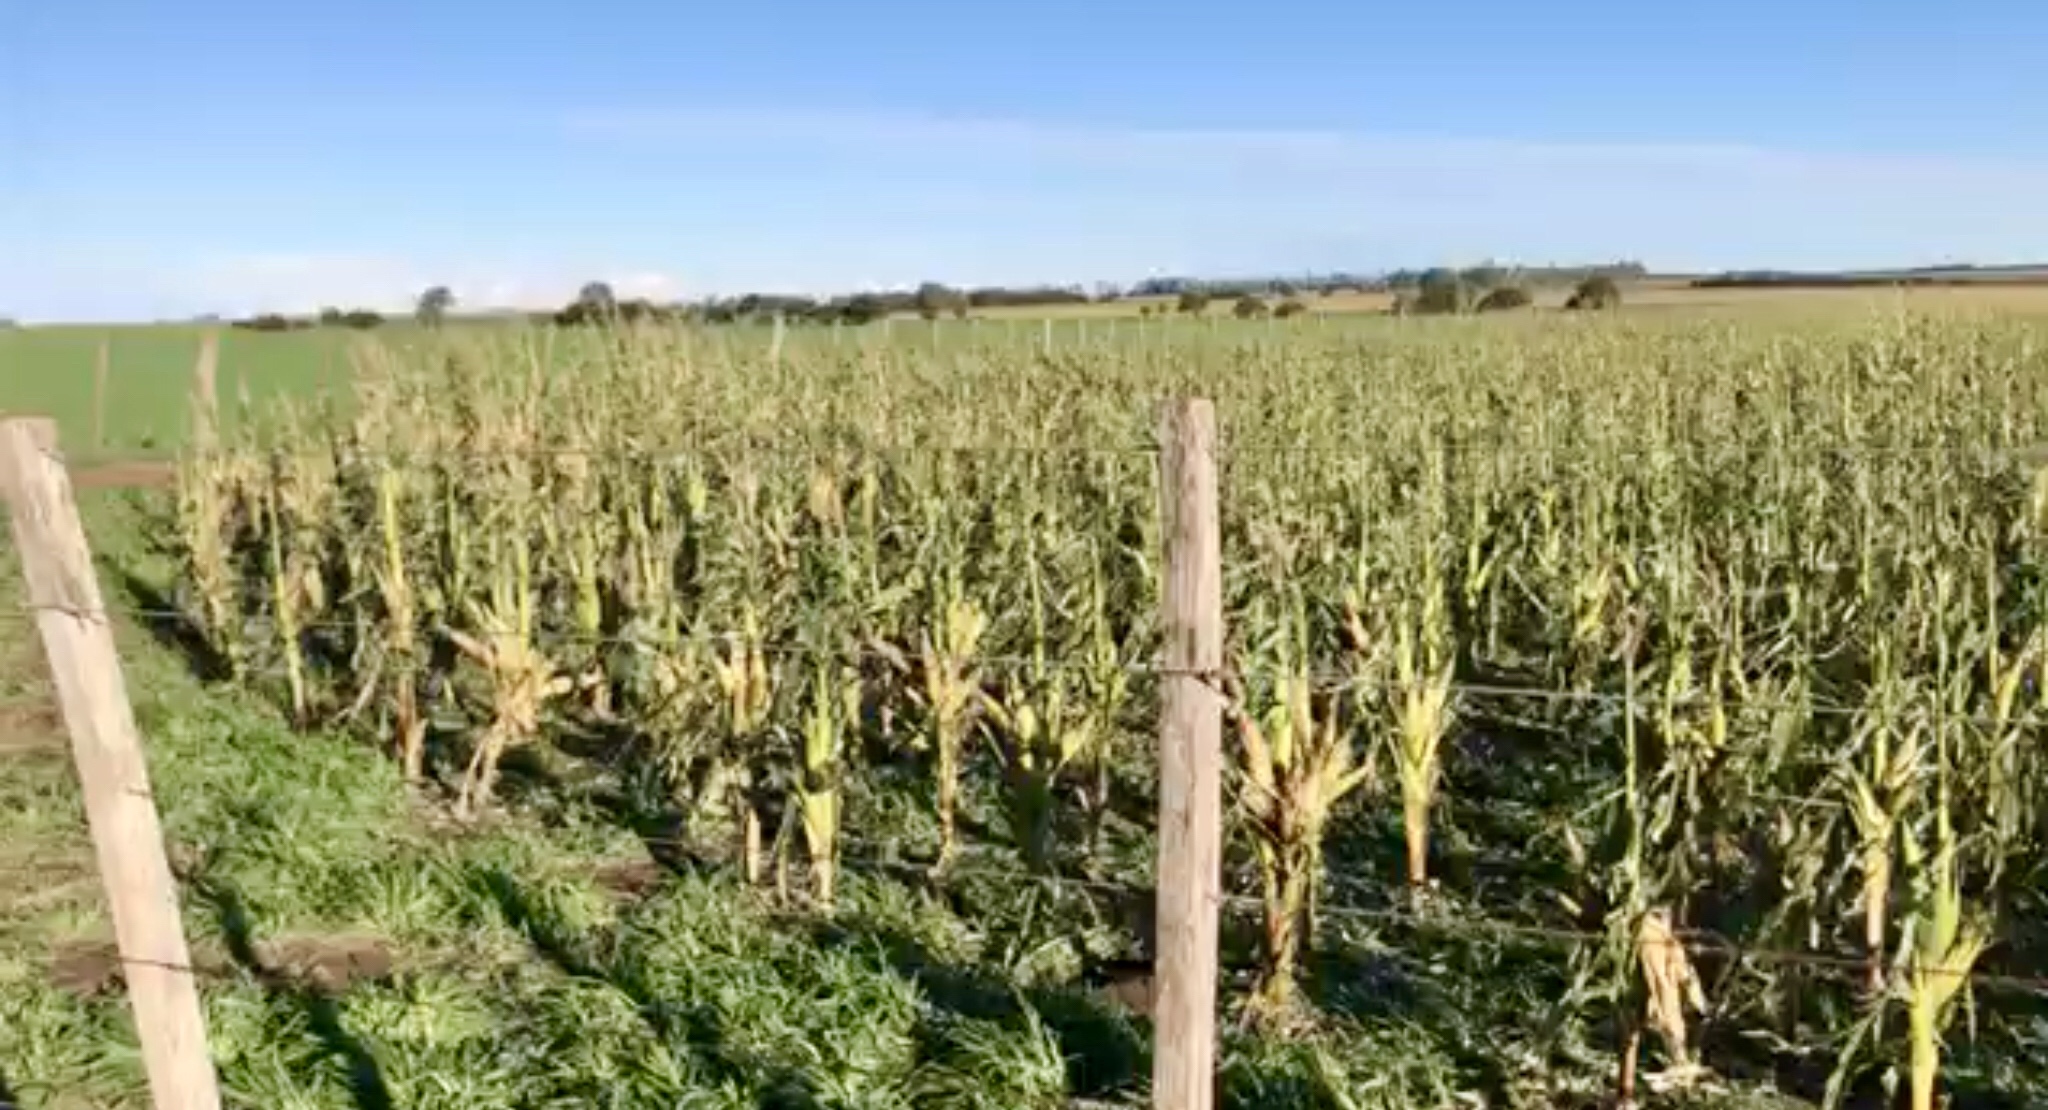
154	474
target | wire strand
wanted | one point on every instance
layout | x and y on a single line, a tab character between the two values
1326	681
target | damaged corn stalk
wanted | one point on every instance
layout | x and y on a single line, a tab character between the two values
522	681
1880	785
1420	698
1045	724
1670	987
1296	763
828	726
1944	937
295	507
747	688
952	687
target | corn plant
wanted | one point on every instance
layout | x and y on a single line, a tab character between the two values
1297	762
833	714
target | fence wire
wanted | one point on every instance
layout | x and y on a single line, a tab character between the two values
1224	680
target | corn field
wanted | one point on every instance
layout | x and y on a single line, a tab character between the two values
1717	646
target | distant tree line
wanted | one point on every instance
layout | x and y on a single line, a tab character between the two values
1942	276
1445	292
1324	285
1490	275
1484	288
361	319
271	321
931	300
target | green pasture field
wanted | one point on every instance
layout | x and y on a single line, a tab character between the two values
53	372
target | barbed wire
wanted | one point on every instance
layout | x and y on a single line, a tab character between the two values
1322	680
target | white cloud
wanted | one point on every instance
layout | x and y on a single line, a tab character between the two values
250	283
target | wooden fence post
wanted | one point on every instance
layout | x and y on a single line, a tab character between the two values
1190	764
112	774
205	395
100	369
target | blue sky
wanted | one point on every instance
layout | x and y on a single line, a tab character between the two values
162	159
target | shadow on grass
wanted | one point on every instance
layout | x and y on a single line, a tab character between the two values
323	1016
698	1030
162	617
1105	1051
8	1101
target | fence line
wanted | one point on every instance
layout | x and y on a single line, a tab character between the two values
1322	679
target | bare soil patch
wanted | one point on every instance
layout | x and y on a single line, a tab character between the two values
629	880
327	964
30	728
152	474
311	962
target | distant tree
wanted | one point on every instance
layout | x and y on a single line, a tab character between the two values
641	309
330	317
361	319
271	321
1290	307
433	306
595	303
1033	296
1439	293
1596	292
1248	307
8	323
1144	310
1504	298
1286	289
933	300
1193	302
1484	277
862	308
